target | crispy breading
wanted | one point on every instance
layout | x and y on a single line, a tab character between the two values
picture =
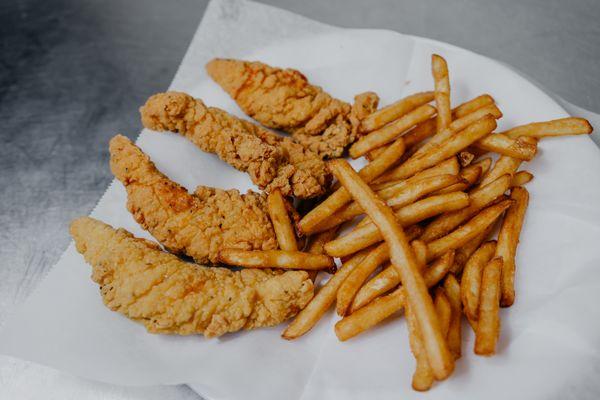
198	224
168	295
273	162
284	99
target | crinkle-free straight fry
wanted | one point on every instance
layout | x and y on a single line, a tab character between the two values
359	275
388	279
403	258
423	376
470	283
454	337
381	308
478	198
472	105
407	194
468	177
340	197
386	189
458	125
521	178
505	165
441	83
464	252
449	148
468	231
275	259
557	127
488	323
284	231
508	239
391	131
394	111
367	234
427	128
317	244
320	303
505	145
443	309
484	163
465	158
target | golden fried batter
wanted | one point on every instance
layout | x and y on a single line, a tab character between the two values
284	99
168	295
271	161
198	224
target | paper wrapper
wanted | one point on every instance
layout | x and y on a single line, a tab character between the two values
549	342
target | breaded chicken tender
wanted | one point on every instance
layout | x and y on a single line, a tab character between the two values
198	224
284	99
168	295
273	162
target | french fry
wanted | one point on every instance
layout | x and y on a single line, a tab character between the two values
407	194
317	243
465	158
448	148
502	144
275	259
320	303
485	164
468	231
394	111
521	178
478	198
452	289
284	231
340	197
470	283
449	166
456	126
505	165
381	308
557	127
423	376
368	234
391	131
508	240
354	281
464	252
388	279
427	128
468	177
472	105
441	81
488	322
403	258
443	309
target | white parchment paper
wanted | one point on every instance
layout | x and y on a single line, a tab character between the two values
550	339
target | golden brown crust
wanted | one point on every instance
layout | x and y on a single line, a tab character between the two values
198	224
284	99
168	295
271	161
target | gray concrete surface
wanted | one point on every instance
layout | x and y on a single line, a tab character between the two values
72	74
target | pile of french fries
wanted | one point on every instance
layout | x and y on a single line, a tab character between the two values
429	200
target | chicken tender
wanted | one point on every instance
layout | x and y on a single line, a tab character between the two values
284	99
168	295
273	162
198	224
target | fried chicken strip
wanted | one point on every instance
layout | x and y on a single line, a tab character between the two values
284	99
198	224
168	295
273	162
